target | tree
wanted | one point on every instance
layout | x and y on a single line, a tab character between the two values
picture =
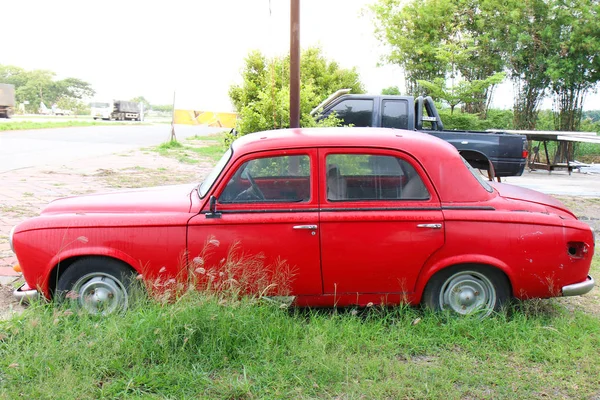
162	107
262	99
463	92
481	24
434	40
529	42
142	99
413	31
38	86
575	68
391	91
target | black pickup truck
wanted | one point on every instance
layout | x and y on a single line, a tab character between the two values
501	154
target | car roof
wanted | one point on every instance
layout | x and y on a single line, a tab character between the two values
413	142
439	158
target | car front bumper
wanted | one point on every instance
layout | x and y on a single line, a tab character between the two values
24	294
577	289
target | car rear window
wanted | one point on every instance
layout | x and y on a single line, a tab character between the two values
356	177
478	176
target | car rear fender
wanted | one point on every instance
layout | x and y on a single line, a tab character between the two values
464	259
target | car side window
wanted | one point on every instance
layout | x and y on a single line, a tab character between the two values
356	112
355	177
283	179
395	114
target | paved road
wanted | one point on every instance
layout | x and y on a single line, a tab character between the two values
559	183
57	146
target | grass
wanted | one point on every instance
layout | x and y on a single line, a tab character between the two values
26	125
217	344
204	347
584	152
141	177
194	149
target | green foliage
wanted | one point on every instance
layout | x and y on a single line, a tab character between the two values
542	44
435	40
77	106
194	150
497	119
574	67
391	91
464	92
26	125
40	86
262	100
414	30
167	108
206	347
142	99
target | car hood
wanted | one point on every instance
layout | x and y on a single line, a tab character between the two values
531	196
158	199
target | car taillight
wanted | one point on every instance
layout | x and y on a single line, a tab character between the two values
525	154
577	249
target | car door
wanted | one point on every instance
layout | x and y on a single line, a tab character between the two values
266	221
380	221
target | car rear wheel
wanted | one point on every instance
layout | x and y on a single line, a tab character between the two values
97	285
466	290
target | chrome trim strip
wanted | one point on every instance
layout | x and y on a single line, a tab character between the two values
27	295
344	209
10	238
470	208
577	289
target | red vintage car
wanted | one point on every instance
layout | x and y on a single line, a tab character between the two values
362	215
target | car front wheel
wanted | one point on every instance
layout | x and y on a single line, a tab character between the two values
97	285
467	290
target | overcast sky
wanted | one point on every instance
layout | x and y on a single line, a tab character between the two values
194	47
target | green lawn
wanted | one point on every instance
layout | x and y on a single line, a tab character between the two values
26	125
194	149
217	347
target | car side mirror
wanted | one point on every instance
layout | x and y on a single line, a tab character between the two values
212	208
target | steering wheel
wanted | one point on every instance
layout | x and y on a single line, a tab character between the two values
254	186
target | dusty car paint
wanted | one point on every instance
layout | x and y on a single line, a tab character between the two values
354	251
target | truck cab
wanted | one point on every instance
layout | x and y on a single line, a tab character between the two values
499	153
101	109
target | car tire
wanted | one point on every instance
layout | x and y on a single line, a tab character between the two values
465	290
97	285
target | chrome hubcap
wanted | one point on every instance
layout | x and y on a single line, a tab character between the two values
100	293
467	292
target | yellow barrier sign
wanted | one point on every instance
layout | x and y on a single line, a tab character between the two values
208	118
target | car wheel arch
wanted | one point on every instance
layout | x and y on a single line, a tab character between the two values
481	160
63	265
463	262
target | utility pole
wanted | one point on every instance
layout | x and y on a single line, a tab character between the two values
173	137
295	64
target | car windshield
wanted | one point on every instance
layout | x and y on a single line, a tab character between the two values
212	177
478	176
99	105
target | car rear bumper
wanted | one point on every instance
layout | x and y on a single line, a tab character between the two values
24	294
577	289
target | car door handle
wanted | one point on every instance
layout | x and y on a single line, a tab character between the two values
430	226
310	227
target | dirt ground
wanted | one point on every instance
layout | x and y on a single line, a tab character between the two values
23	193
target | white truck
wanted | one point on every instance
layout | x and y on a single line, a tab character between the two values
7	100
119	110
